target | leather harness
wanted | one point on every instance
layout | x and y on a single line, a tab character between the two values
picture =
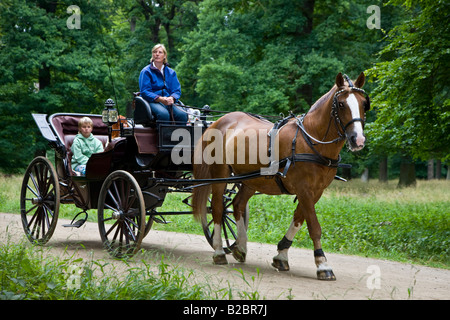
314	157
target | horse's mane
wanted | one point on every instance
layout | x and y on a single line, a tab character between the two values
323	99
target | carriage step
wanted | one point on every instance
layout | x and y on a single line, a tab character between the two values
78	223
162	220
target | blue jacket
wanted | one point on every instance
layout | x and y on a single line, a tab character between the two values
153	84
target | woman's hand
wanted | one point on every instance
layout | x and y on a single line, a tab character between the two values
166	100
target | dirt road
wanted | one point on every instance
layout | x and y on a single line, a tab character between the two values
357	277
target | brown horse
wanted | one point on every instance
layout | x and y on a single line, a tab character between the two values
307	158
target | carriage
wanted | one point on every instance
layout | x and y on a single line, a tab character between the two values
127	183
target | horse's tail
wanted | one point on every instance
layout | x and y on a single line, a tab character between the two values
200	194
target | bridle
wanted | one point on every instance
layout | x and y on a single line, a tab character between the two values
341	128
314	157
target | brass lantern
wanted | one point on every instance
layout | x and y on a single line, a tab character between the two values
110	114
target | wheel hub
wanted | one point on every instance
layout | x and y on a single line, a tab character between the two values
117	215
39	201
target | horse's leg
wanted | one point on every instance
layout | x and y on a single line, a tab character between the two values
239	206
280	261
324	271
217	213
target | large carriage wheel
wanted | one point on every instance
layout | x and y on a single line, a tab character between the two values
121	214
39	200
229	229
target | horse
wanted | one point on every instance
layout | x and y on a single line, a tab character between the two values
309	148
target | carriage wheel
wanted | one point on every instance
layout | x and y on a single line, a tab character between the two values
229	229
121	214
39	200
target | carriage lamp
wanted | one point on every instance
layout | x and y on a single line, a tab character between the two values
109	114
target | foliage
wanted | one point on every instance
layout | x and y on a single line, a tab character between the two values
47	68
266	57
284	62
412	94
28	273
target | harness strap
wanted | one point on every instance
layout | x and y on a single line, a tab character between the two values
315	157
281	185
305	157
277	125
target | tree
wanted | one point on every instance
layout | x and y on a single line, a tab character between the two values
138	26
272	56
48	67
412	92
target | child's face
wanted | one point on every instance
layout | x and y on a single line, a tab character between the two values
86	130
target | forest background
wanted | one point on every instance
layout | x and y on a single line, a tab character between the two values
264	56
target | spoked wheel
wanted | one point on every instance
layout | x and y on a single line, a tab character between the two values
39	200
229	229
121	214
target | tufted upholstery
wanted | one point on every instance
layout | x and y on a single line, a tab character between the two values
66	126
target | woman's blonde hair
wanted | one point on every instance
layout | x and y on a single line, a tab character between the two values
158	46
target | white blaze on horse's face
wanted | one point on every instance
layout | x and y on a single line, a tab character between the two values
357	139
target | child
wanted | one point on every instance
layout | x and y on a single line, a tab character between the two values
84	145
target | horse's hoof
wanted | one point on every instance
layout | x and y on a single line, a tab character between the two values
281	265
326	275
220	259
239	255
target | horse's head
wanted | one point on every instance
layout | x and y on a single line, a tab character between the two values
350	104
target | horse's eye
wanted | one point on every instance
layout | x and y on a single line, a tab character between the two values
341	105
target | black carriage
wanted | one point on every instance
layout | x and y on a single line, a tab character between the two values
126	183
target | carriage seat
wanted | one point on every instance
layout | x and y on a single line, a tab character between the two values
66	126
68	141
143	112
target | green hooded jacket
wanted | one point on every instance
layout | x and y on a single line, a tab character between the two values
83	148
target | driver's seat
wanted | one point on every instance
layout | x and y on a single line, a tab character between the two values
142	112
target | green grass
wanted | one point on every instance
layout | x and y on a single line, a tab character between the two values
31	273
368	219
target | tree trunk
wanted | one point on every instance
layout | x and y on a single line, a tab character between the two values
44	72
407	174
430	169
308	12
383	175
438	174
44	77
133	24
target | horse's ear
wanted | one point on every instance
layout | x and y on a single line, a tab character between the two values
359	83
339	80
